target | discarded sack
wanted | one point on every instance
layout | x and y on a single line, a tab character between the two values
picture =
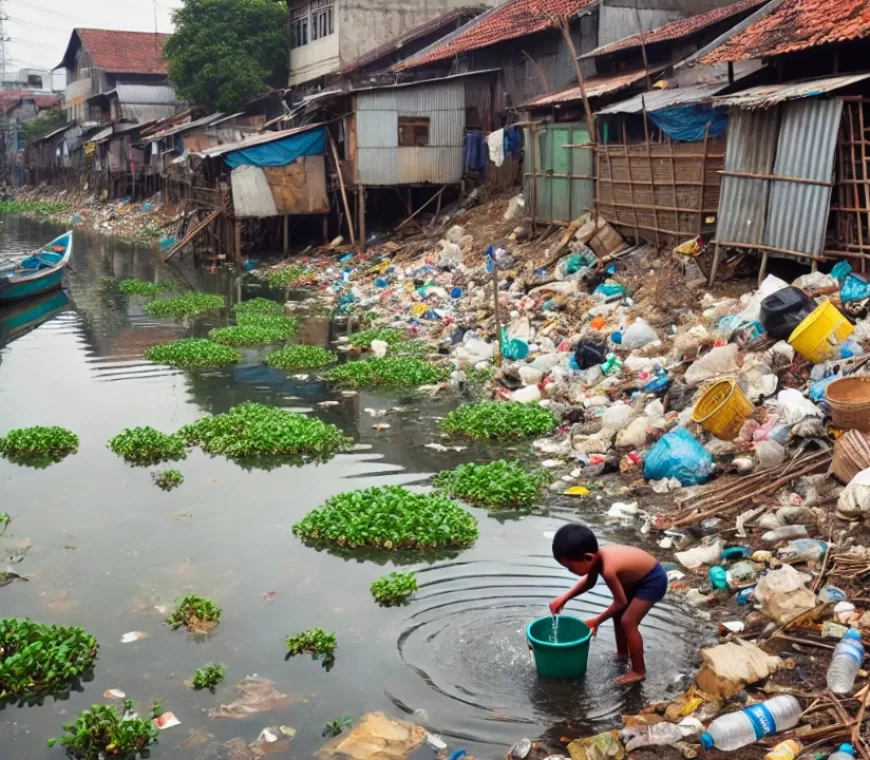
854	502
733	666
783	594
721	361
679	455
590	352
378	736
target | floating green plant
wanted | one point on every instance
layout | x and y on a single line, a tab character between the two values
392	372
395	588
284	277
187	305
255	430
168	479
37	659
495	485
260	306
193	352
300	357
314	641
478	376
196	614
105	731
253	335
493	419
4	518
146	289
38	446
286	326
209	676
389	517
147	446
334	727
363	339
40	208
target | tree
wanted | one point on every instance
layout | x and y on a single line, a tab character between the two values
45	122
225	52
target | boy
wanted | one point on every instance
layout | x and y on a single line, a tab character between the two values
634	577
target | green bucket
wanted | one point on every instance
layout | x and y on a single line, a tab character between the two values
568	657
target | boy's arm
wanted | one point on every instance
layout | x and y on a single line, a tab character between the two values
620	602
581	587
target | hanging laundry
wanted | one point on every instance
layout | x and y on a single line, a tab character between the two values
496	147
513	141
475	152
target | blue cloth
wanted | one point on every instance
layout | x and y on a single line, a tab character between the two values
688	123
280	152
513	140
475	152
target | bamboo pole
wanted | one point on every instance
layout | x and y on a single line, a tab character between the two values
437	195
703	181
630	184
334	151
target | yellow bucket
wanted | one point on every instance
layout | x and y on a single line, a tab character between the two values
820	333
722	410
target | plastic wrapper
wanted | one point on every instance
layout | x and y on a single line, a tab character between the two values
679	455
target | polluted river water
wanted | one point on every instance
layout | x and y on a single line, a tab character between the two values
103	548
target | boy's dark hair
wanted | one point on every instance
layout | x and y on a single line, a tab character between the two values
574	542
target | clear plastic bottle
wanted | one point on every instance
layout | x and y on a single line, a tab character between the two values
846	663
736	730
787	750
845	752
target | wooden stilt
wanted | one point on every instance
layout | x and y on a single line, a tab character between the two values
238	246
286	234
717	258
361	216
763	271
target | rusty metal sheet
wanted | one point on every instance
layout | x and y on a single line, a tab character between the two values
300	187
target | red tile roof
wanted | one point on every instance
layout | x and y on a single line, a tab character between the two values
9	99
595	87
515	18
797	25
679	29
122	52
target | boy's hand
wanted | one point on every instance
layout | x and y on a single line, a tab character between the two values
557	605
592	624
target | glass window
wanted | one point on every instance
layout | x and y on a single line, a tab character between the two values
299	26
322	23
413	132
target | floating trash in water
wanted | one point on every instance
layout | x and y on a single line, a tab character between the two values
167	720
114	694
435	741
328	403
442	447
267	735
300	377
269	595
577	491
520	750
551	464
129	638
349	394
287	731
375	412
380	426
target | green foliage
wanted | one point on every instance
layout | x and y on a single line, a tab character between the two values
270	330
157	708
390	517
261	306
285	326
496	485
315	641
284	277
168	479
37	659
300	357
394	372
195	613
147	446
104	731
187	305
255	430
193	352
47	121
334	727
146	289
4	518
476	376
38	446
37	208
492	419
209	676
363	339
225	52
394	588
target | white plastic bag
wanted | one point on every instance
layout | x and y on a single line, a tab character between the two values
700	555
637	335
633	436
616	416
792	407
720	362
854	502
783	594
770	454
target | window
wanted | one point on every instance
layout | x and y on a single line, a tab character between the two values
34	80
321	19
299	26
413	132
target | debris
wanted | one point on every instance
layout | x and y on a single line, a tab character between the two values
129	638
375	737
166	720
727	668
257	695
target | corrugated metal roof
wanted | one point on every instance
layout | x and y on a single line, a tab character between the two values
146	94
250	142
595	88
205	121
54	134
658	100
769	95
103	134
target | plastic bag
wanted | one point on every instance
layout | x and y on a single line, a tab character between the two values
719	362
840	270
679	455
855	499
792	407
634	436
637	335
590	352
854	289
783	594
770	454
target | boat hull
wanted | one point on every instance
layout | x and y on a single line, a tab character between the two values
16	291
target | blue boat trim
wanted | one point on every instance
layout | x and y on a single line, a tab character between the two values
39	273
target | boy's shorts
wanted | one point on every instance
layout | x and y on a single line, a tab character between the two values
652	587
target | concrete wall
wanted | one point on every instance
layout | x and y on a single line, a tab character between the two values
318	57
616	23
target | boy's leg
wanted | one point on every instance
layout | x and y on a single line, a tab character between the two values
630	624
621	644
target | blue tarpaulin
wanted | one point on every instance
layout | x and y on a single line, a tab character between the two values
688	123
280	152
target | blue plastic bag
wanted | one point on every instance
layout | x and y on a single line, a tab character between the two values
840	270
854	289
679	455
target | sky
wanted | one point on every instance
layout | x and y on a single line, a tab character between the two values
40	29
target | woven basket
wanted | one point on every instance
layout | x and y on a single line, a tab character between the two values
851	455
849	399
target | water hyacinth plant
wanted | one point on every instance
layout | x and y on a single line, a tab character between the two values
284	277
391	372
495	485
492	419
105	731
39	208
315	641
250	335
334	727
287	326
37	659
38	446
147	446
187	305
389	517
255	430
258	306
395	588
193	352
363	339
209	676
196	614
294	358
168	479
145	289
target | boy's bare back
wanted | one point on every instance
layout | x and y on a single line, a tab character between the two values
628	563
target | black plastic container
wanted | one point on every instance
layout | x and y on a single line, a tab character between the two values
783	311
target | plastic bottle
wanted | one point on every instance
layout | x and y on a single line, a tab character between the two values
846	663
736	730
785	533
845	752
787	750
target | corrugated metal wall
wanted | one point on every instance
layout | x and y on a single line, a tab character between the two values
380	160
615	23
798	213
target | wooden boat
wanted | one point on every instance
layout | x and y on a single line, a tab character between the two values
18	319
38	273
